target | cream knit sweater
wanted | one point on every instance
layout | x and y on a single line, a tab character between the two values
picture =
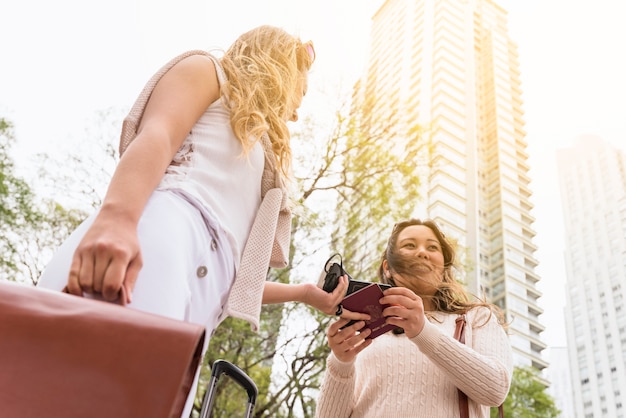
398	377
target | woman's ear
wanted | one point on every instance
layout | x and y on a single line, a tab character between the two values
386	269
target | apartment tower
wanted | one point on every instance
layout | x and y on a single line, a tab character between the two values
451	67
592	178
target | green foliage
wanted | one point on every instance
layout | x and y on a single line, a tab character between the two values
280	394
235	342
527	397
31	227
16	198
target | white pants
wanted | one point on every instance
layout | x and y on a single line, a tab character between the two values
187	268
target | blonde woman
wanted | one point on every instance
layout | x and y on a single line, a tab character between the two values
418	369
197	210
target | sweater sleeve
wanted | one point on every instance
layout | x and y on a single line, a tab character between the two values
336	398
482	369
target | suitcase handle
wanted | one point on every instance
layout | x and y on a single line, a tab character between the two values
225	367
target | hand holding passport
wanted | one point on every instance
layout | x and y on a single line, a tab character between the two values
366	300
362	297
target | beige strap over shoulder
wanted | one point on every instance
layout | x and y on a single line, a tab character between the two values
268	243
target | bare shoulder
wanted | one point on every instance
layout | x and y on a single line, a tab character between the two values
196	68
195	77
181	96
197	61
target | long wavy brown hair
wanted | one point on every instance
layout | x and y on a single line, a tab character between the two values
451	296
265	67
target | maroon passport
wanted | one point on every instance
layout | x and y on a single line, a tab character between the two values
366	300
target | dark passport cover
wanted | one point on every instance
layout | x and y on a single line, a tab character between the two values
366	300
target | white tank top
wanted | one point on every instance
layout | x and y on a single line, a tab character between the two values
210	166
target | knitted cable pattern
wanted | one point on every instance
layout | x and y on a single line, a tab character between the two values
398	377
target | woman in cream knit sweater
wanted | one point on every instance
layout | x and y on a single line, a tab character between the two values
418	369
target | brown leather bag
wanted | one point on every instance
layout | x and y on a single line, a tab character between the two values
459	334
63	356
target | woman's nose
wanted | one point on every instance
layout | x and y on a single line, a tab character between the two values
422	253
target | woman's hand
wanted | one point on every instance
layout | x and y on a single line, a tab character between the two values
107	258
346	343
329	303
324	301
313	296
406	310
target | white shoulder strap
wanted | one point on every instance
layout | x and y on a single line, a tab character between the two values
221	75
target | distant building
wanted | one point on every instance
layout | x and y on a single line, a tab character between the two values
560	380
450	66
592	178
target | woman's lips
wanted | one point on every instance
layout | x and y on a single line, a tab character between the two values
422	268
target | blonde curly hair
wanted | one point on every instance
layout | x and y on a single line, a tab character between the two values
265	67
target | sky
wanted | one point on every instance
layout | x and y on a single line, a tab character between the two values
61	61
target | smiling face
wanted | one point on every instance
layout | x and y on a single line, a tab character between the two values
418	260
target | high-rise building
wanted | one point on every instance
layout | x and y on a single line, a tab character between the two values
559	375
451	67
592	178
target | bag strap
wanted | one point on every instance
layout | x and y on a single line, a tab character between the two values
459	334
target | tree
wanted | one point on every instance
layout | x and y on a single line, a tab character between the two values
34	226
31	227
527	397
